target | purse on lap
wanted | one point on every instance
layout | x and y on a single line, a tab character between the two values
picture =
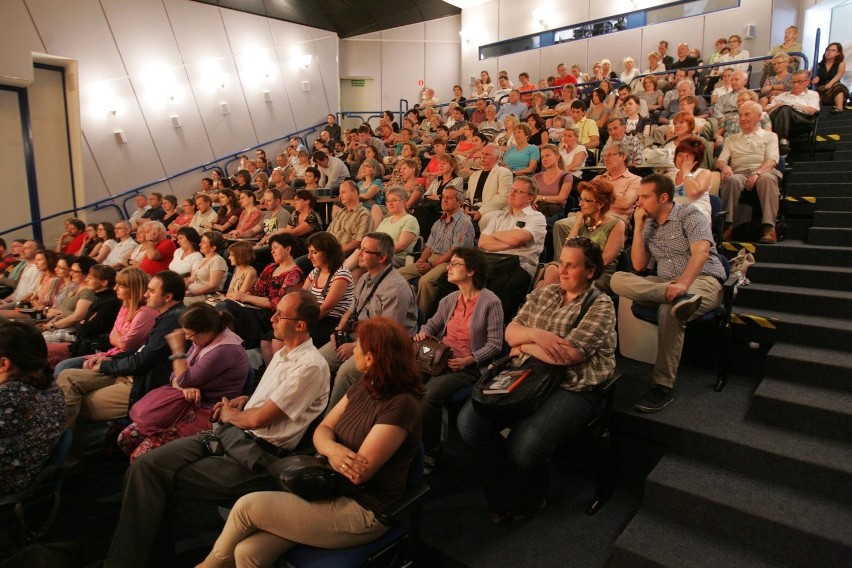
432	356
310	477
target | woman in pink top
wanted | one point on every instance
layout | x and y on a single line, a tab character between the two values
249	218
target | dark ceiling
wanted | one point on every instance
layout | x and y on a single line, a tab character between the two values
345	17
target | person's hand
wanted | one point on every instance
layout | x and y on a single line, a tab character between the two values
423	267
459	363
475	216
674	290
236	403
687	164
556	347
345	351
725	172
419	336
192	394
349	463
751	180
176	340
639	216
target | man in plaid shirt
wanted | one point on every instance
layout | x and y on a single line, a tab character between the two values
689	276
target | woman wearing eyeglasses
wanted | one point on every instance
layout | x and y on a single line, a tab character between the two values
470	321
514	470
593	223
402	227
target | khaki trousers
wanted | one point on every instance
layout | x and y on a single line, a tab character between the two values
92	396
651	290
427	288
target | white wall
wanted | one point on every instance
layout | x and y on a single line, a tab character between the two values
505	19
399	58
153	59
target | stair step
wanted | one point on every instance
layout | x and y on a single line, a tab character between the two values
785	524
818	366
814	167
653	540
805	408
799	206
828	277
795	299
840	219
817	177
820	189
712	427
807	330
830	236
798	252
797	228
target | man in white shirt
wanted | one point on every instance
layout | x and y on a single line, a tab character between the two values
125	244
253	432
142	207
792	108
747	162
333	171
204	216
29	278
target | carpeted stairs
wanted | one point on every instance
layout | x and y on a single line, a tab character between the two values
762	476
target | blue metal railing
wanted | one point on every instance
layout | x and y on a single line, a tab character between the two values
132	193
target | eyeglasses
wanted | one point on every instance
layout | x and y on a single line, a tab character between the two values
801	80
393	201
365	251
277	317
456	264
584	200
75	271
190	334
519	192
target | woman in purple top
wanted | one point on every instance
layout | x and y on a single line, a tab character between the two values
215	366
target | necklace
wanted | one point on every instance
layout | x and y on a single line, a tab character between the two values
592	228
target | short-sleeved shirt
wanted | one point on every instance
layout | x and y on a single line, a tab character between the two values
166	248
350	225
529	220
516	159
447	234
670	242
320	292
361	414
298	382
745	152
594	335
275	287
271	223
407	224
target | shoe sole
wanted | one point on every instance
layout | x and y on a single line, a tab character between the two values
651	409
686	305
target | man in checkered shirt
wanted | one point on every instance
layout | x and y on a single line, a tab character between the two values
689	276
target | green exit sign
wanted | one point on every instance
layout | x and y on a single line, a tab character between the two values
357	82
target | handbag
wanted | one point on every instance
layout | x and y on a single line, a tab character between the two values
432	355
519	402
310	477
526	395
159	410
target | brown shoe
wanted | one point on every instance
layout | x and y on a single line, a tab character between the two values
770	237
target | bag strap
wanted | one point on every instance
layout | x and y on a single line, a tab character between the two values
587	303
370	295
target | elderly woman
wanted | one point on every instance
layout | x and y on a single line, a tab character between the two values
158	248
544	332
132	324
779	82
215	366
522	158
371	437
32	406
208	278
470	321
402	227
330	283
630	72
607	70
187	256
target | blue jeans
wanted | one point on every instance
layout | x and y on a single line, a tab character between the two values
438	390
514	470
72	363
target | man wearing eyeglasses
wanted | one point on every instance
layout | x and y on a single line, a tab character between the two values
126	243
381	291
688	282
183	479
793	108
519	230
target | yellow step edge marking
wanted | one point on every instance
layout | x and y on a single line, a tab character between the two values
736	246
747	319
827	137
797	199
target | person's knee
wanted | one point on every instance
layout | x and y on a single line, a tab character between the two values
527	452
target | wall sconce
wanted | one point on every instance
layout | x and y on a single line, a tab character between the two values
267	96
120	136
224	108
176	121
305	60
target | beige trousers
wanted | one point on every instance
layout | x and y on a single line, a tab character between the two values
93	397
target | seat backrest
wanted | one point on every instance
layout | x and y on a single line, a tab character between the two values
304	263
248	387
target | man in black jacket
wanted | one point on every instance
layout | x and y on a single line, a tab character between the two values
107	386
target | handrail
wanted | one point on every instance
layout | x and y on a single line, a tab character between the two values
108	201
724	64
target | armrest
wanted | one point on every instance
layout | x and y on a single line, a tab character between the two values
409	498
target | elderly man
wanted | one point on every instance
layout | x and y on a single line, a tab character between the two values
514	106
155	210
685	88
683	61
381	291
120	251
688	282
142	207
453	229
178	479
747	162
625	186
617	129
333	171
793	108
25	276
205	216
488	188
159	249
351	223
727	104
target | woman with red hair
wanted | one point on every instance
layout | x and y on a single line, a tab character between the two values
371	435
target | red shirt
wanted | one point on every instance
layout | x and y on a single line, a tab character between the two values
76	244
457	335
563	80
166	248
